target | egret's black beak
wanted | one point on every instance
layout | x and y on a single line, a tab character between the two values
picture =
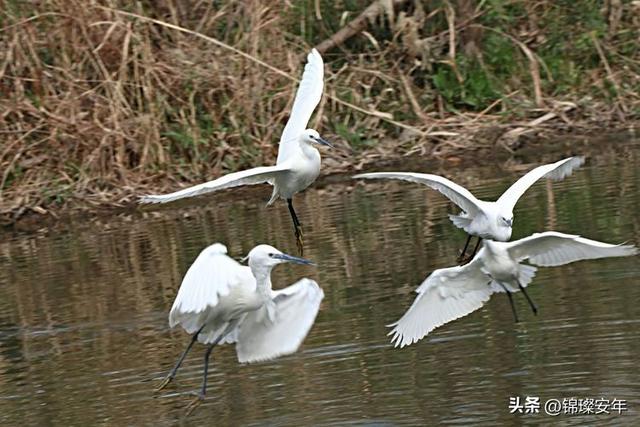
319	140
294	259
509	222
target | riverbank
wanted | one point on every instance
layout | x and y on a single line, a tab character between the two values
101	105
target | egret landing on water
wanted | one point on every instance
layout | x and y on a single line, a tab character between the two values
486	220
221	301
298	163
450	293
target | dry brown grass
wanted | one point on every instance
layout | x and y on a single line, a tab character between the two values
101	101
97	104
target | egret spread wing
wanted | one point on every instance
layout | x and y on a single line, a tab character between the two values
556	171
249	177
212	276
447	294
264	335
454	192
552	248
307	99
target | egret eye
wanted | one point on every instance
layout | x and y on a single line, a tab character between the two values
270	255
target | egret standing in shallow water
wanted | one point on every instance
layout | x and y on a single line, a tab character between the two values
298	163
486	220
450	293
221	301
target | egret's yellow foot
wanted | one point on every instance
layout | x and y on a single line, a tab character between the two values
194	404
466	260
164	383
299	241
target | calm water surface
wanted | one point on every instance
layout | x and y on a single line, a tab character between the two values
84	338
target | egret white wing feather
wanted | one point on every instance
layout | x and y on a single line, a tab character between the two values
447	294
556	171
552	248
262	336
228	331
454	192
253	176
307	98
210	277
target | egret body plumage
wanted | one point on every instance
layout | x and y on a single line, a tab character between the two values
222	301
298	162
451	293
486	220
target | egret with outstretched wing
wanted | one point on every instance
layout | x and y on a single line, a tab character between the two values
486	220
450	293
298	163
221	302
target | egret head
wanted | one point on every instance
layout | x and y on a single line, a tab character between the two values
312	137
265	256
506	221
501	231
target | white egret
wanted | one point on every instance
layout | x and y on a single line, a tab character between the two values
486	220
450	293
298	162
221	301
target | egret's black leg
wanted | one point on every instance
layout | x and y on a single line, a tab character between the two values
203	391
293	212
174	371
531	304
464	250
513	307
297	227
476	248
